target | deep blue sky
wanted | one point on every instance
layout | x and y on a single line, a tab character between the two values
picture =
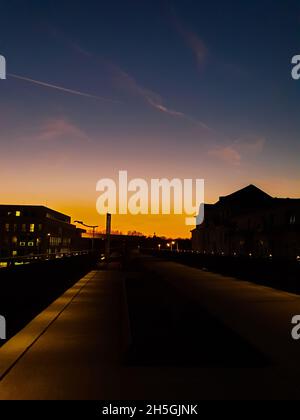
193	88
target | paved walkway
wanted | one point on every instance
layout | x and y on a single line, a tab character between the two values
73	349
262	315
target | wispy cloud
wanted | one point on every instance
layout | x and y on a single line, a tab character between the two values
240	149
123	80
48	135
164	109
252	145
226	154
60	130
193	41
60	88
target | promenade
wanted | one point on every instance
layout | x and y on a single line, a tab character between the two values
77	347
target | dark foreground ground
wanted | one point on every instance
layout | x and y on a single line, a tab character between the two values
280	274
171	329
156	330
26	290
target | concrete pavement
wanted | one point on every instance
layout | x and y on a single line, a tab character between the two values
75	348
260	314
72	349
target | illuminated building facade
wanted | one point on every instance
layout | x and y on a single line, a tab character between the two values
27	230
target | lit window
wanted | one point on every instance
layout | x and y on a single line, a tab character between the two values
15	253
3	264
40	228
22	244
32	227
292	220
7	227
30	243
18	213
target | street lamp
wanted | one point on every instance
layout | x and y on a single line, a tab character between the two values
49	236
80	222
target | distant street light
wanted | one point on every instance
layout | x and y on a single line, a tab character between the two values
80	222
49	236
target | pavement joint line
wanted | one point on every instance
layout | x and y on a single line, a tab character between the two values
18	346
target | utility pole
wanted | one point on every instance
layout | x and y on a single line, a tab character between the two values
108	232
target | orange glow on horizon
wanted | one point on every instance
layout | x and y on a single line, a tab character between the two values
74	193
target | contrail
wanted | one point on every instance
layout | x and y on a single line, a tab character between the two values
61	88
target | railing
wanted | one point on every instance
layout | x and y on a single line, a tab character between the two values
249	256
34	258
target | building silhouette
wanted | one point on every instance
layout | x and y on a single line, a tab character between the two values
26	230
250	222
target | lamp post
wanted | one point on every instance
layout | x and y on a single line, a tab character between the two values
80	222
48	236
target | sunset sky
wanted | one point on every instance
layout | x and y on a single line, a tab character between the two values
185	89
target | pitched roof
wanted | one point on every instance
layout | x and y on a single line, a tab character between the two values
249	193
